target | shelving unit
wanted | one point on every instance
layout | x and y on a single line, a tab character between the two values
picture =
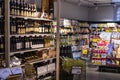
104	51
33	18
8	35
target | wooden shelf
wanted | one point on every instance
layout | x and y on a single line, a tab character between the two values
98	58
22	35
23	51
39	60
32	18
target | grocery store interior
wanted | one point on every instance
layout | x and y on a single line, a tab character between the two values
59	39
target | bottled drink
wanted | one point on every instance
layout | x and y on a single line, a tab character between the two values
1	26
2	44
0	8
51	9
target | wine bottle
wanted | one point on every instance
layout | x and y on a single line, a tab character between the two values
12	44
51	9
17	7
0	7
1	26
11	26
22	8
1	44
12	7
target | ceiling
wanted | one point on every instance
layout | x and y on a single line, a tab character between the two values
94	2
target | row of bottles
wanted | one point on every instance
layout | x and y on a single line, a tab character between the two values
21	26
1	26
22	8
23	43
66	51
45	69
65	40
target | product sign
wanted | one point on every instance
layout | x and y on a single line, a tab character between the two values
4	73
105	35
84	51
16	70
76	70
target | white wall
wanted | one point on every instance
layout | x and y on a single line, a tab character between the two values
102	14
72	11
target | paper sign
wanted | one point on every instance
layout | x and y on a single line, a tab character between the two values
16	70
76	70
105	35
4	73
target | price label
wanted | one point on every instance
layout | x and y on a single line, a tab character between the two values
76	70
84	51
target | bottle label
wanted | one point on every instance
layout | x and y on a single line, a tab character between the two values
12	11
1	46
17	45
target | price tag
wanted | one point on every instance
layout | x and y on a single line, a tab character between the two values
84	51
76	70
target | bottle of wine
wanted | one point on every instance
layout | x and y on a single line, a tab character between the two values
12	6
51	9
1	44
0	7
13	26
12	44
17	7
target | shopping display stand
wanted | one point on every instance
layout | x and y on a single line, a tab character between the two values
105	53
72	69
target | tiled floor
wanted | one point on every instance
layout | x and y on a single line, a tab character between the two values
93	74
